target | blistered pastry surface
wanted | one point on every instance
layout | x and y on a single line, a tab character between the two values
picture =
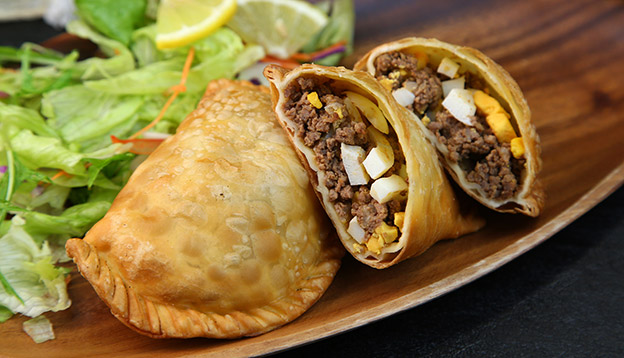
219	223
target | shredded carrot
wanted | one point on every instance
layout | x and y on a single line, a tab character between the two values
60	174
288	63
140	145
175	91
313	55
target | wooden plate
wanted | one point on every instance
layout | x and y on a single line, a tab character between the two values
566	56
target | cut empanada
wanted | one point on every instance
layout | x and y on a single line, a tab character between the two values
474	113
218	233
377	176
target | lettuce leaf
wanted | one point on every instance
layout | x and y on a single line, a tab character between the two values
114	18
340	27
28	269
25	118
120	58
87	117
74	221
219	55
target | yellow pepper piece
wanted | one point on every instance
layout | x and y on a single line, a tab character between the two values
517	147
399	218
501	127
387	232
314	100
487	104
357	247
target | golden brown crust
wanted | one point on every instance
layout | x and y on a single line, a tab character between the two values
530	199
204	240
433	211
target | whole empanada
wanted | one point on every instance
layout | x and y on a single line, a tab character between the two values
218	233
493	153
377	176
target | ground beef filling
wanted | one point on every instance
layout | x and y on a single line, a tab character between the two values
487	162
323	130
401	70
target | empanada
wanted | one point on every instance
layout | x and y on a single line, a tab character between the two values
377	176
218	233
474	113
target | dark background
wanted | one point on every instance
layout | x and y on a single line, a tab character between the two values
565	298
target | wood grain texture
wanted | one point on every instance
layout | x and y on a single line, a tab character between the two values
566	56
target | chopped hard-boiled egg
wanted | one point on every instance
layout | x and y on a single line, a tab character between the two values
487	104
356	231
314	100
352	157
448	67
369	110
387	232
386	189
425	120
517	147
399	219
448	85
387	83
460	104
496	116
374	244
403	96
499	122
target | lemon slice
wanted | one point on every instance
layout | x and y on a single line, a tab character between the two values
282	27
181	22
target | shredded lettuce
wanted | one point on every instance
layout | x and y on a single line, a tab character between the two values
120	58
39	329
5	313
33	284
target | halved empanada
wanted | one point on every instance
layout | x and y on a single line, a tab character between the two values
377	176
218	233
474	113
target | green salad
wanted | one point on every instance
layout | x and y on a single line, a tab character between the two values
65	121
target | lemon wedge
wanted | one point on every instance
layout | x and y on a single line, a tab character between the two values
181	22
282	27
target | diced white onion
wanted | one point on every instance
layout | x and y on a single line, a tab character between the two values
460	104
386	189
448	67
377	162
356	231
352	157
449	85
403	96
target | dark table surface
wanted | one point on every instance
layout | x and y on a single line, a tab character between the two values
563	298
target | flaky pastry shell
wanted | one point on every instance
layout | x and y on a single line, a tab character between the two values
218	233
529	200
433	212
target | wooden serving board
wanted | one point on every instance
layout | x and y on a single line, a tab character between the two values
565	55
